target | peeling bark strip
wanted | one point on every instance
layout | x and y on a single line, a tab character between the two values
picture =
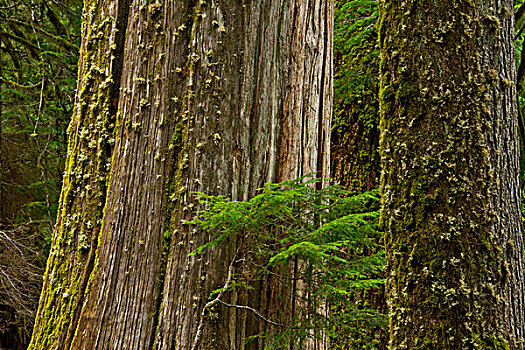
449	147
213	96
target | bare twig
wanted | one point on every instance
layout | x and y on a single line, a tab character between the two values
20	278
209	304
217	299
252	310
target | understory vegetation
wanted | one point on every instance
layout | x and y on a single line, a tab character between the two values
39	43
328	234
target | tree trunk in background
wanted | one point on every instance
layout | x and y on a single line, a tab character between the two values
354	160
355	128
213	96
451	198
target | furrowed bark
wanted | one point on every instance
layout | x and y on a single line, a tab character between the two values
84	189
451	198
213	96
280	100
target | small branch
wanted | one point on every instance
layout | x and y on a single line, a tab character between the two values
268	271
9	6
253	310
7	81
208	305
519	13
211	303
10	240
31	47
65	42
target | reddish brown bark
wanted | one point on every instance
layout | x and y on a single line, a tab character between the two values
217	97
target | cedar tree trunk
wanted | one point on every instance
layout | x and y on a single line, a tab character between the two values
215	96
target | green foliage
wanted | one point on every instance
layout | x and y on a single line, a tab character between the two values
330	237
356	47
39	43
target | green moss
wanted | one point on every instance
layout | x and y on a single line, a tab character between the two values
355	134
438	179
84	188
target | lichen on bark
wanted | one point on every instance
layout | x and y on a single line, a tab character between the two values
84	190
451	201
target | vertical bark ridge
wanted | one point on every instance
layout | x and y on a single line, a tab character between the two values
194	114
508	186
84	189
326	90
276	94
125	282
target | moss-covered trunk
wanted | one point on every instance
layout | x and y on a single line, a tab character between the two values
355	128
451	198
355	137
214	96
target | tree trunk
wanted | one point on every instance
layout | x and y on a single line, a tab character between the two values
451	198
213	96
355	161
